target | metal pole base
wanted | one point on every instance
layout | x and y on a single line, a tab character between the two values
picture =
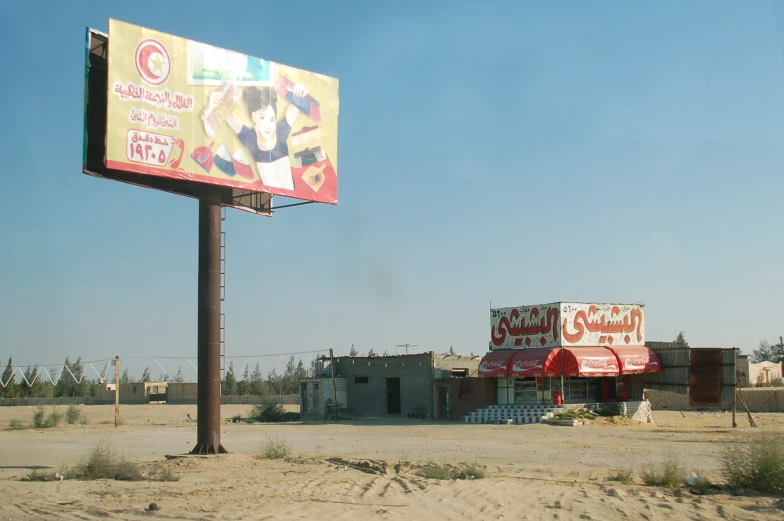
208	449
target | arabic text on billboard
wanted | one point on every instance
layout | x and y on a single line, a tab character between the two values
187	110
566	324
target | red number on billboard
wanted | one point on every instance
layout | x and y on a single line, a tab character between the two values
161	157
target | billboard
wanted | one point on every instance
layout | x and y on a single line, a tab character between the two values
602	324
525	327
184	110
566	324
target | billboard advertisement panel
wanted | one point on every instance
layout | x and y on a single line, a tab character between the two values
525	327
185	110
602	324
566	324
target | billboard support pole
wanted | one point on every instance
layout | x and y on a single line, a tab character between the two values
208	338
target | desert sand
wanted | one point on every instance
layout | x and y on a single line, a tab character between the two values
368	469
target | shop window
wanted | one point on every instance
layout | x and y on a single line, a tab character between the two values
361	379
525	390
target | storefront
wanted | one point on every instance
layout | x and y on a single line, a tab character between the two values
589	374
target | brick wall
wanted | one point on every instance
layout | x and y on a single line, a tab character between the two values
757	399
465	395
316	399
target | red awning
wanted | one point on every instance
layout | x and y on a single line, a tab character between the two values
536	362
496	364
636	359
590	361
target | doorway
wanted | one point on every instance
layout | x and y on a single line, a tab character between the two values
443	406
303	397
393	395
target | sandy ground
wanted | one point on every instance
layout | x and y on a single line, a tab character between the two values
532	471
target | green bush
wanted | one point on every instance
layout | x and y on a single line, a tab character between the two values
275	447
39	418
73	414
268	413
54	419
758	465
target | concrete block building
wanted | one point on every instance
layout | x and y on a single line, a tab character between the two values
413	385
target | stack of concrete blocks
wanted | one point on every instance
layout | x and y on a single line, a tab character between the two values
519	414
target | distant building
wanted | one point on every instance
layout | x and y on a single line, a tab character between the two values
413	385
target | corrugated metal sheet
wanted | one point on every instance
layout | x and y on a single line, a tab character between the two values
674	375
678	365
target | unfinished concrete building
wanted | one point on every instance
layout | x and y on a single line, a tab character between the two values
413	385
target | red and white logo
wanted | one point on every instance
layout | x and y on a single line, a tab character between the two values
526	365
152	61
638	361
486	367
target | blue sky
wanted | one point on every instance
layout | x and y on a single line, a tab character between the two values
512	152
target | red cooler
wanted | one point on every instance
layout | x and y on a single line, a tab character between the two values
557	398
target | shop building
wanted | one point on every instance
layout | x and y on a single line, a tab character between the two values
568	353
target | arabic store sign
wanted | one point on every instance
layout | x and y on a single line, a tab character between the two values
567	324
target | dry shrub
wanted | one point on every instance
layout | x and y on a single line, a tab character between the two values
624	476
39	418
758	465
668	473
16	425
41	475
103	462
275	447
54	419
73	414
445	471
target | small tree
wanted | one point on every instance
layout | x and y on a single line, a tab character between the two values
451	350
229	387
257	384
125	379
353	351
178	379
146	375
9	389
243	386
768	353
371	353
680	341
289	384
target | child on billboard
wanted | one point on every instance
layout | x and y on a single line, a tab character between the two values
267	140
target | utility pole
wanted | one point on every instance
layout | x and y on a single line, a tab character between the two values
334	387
117	391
